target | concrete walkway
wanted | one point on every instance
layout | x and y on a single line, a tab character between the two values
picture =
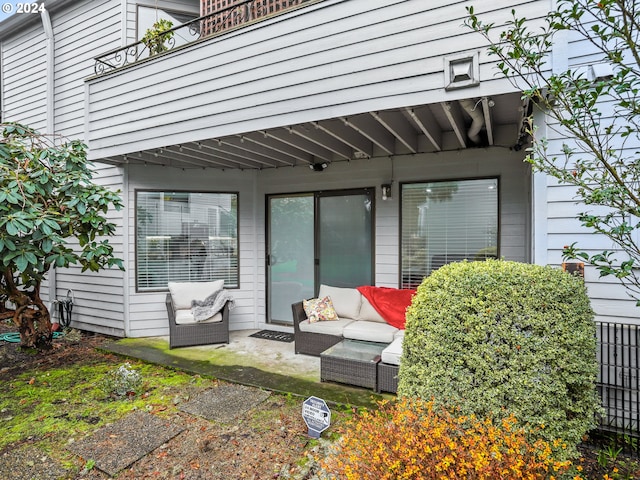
246	360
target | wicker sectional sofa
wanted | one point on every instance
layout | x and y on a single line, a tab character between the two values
358	320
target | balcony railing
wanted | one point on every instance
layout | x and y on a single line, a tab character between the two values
218	21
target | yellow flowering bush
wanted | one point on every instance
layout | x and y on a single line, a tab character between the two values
413	440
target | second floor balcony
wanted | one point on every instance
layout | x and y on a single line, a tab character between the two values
219	17
316	81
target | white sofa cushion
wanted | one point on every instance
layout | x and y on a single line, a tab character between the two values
367	312
184	317
334	327
399	334
346	301
369	331
183	292
392	353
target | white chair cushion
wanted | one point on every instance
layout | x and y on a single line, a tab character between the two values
399	334
369	331
392	353
184	317
346	301
334	327
183	292
367	312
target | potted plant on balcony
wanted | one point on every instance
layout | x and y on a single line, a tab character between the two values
157	37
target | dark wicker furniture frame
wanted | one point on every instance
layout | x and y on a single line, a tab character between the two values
191	334
352	371
310	343
387	378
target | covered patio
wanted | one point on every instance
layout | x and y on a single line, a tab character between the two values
267	364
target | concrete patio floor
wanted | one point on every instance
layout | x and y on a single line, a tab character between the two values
246	360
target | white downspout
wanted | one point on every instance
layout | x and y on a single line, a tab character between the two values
50	49
477	118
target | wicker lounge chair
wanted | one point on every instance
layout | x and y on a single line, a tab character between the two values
184	331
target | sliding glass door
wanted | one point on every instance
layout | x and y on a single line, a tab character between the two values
316	238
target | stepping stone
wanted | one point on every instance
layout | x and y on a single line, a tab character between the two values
225	403
29	464
116	446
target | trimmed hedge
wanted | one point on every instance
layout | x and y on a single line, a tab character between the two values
500	338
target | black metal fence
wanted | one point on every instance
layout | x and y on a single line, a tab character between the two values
619	383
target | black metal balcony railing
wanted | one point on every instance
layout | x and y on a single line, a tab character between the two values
218	21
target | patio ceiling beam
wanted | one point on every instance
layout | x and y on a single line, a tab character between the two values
175	158
399	128
233	154
283	159
428	125
287	136
346	135
262	139
199	158
453	111
211	150
487	105
318	136
373	131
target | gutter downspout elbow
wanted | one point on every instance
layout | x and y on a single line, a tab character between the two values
477	118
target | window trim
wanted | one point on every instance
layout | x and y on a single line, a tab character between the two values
171	190
497	178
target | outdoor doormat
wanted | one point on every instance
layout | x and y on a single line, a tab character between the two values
225	403
277	336
118	445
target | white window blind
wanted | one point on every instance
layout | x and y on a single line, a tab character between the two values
444	222
186	237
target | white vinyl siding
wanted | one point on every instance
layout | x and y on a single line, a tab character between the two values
80	31
99	297
24	77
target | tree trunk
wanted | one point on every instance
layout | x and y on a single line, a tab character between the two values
34	325
31	315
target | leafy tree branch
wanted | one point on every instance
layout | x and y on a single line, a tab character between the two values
596	114
51	215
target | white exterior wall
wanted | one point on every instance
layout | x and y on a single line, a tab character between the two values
24	85
325	60
147	310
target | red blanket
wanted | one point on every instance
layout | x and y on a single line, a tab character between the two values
390	303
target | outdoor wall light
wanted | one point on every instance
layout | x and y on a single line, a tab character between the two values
386	191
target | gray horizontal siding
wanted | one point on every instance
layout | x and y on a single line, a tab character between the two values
332	58
24	78
80	31
99	297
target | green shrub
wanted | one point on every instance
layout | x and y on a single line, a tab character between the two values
500	338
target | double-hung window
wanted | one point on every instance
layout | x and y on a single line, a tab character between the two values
186	237
444	222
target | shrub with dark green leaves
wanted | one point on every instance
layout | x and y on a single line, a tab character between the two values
501	338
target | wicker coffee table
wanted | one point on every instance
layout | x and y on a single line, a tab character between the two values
352	362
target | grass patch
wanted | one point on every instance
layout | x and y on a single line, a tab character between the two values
69	402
